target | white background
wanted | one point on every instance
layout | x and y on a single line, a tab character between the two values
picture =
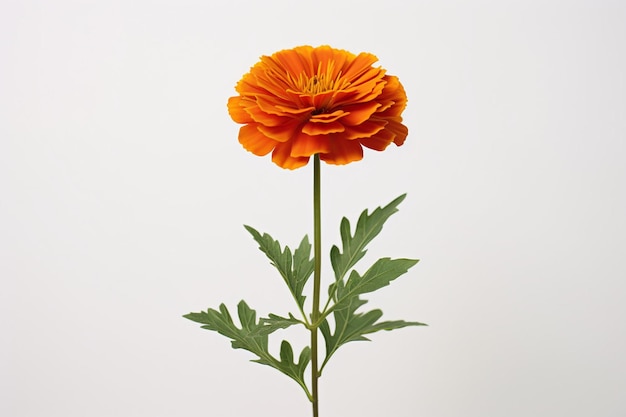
123	191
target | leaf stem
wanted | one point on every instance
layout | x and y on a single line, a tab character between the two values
317	250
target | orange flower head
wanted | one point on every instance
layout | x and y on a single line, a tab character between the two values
305	101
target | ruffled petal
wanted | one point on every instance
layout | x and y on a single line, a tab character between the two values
264	118
283	158
322	128
392	98
365	129
290	62
306	145
281	133
399	130
237	111
379	141
359	113
360	64
343	152
255	141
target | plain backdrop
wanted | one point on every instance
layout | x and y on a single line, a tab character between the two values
123	191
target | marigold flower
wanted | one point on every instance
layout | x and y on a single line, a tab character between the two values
305	101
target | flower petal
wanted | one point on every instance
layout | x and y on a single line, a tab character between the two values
365	129
281	133
264	118
343	151
282	157
236	110
379	141
295	111
322	128
255	141
359	113
399	130
269	104
292	61
360	64
392	98
327	117
306	145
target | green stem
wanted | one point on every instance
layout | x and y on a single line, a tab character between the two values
317	248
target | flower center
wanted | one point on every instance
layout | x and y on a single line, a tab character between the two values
317	84
321	81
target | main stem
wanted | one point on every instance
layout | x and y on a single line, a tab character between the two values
317	248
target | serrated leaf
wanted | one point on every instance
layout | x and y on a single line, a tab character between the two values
253	337
379	275
247	337
351	326
247	316
286	358
353	246
287	365
392	325
275	322
295	268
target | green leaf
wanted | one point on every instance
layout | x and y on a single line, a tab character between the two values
253	337
379	275
353	246
275	322
295	269
348	325
287	365
351	326
247	337
392	325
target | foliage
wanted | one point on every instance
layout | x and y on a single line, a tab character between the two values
340	321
